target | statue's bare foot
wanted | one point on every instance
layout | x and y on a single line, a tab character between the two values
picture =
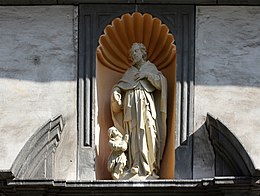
115	176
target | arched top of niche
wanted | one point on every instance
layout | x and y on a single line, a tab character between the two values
118	37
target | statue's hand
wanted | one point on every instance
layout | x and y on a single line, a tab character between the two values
123	146
140	76
117	97
126	138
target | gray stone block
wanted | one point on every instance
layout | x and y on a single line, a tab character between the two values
203	155
239	2
27	2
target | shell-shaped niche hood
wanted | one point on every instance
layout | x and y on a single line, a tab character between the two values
112	60
114	44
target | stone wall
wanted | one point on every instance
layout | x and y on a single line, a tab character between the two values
38	77
227	76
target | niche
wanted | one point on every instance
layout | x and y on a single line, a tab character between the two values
112	60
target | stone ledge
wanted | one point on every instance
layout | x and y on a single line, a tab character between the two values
207	186
229	180
76	2
163	183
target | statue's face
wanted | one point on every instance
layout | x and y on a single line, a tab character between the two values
136	53
114	133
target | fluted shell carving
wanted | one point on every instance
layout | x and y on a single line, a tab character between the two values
114	44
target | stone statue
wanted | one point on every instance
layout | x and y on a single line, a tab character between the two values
117	158
139	106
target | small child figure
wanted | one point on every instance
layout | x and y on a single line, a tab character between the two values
117	159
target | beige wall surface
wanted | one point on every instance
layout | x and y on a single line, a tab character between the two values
38	80
227	71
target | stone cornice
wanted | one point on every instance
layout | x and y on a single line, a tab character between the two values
208	186
76	2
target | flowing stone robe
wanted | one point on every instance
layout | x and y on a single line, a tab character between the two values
143	117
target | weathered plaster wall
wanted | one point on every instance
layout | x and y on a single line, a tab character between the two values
37	80
227	73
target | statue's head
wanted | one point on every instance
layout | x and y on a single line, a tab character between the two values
138	52
114	133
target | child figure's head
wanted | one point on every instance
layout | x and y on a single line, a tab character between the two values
113	133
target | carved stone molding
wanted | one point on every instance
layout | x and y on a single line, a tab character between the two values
36	159
75	2
224	186
231	157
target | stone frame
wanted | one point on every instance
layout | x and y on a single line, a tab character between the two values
92	20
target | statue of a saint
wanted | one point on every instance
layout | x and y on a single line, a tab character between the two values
139	106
